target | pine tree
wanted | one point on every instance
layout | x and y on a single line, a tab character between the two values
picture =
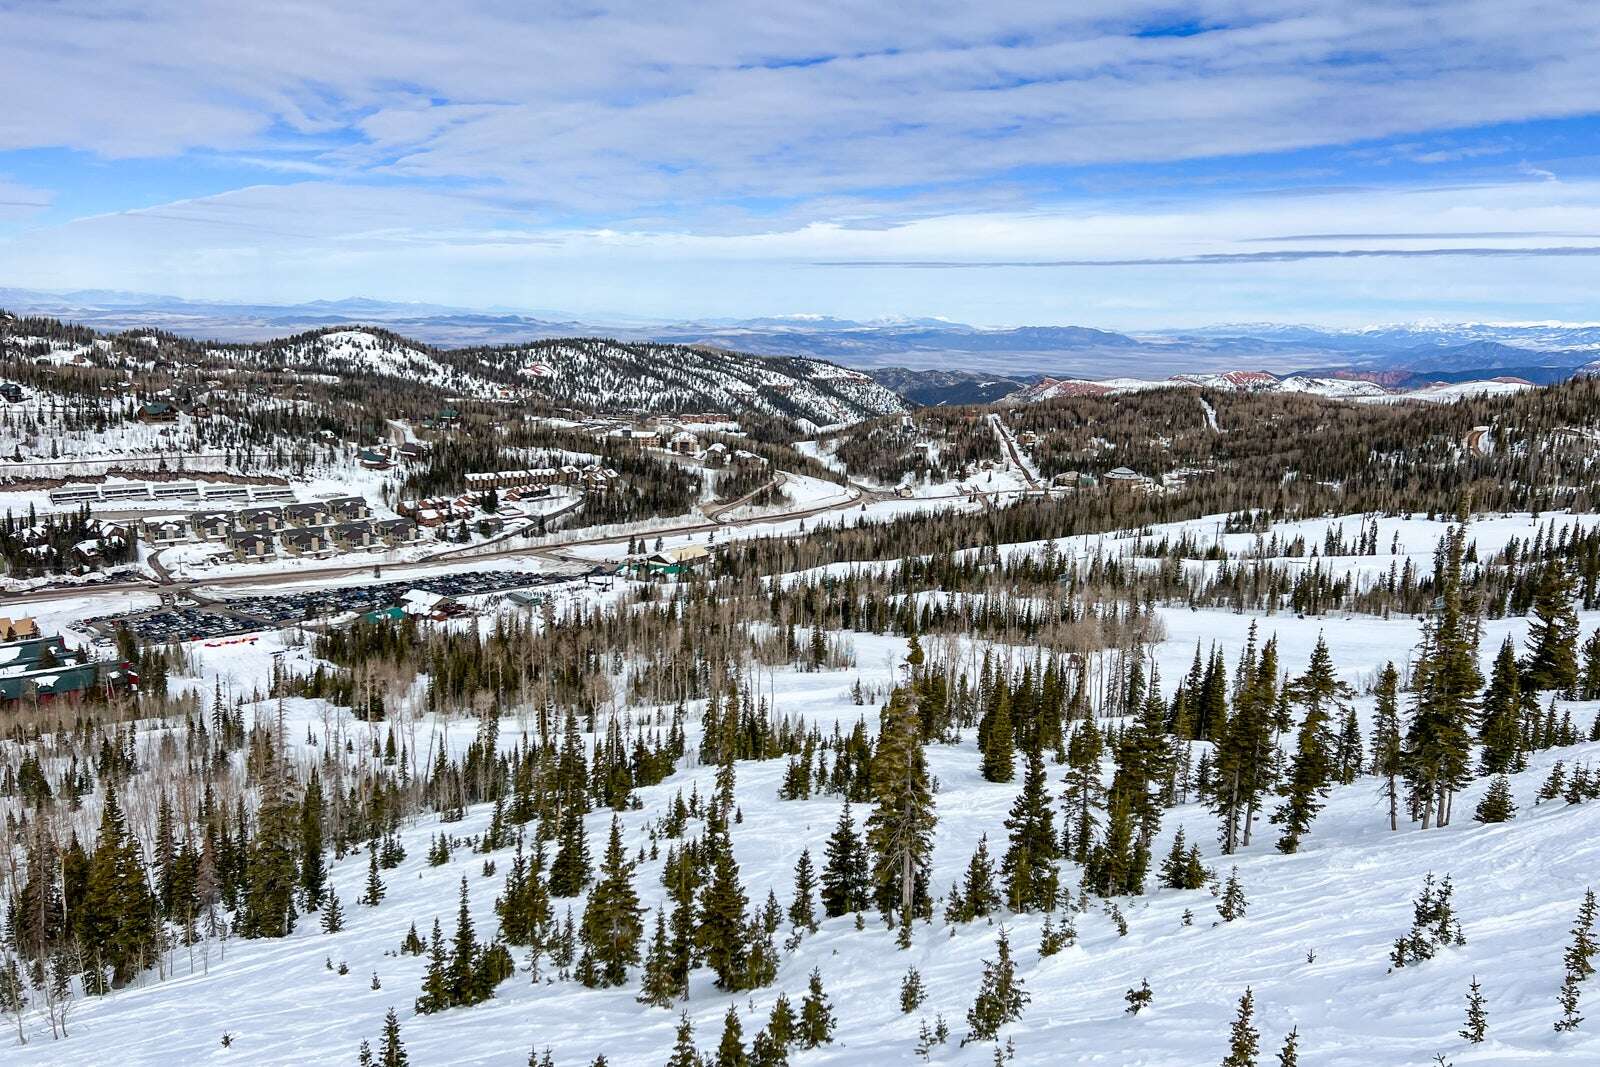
1497	804
1233	902
119	918
612	926
782	1023
1289	1054
1387	751
900	829
998	740
1084	794
313	868
1001	997
730	1050
1578	963
1244	1042
816	1014
1499	729
1139	999
683	1050
1320	692
569	872
435	984
1446	684
333	913
659	987
1552	657
978	896
802	911
392	1053
911	992
846	883
1030	862
374	889
1477	1014
271	873
720	933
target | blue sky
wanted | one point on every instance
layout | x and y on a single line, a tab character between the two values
1120	164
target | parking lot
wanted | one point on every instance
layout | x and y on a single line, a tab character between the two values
246	614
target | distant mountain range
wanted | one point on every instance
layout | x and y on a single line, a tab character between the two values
927	361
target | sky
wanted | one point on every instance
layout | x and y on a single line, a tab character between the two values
1115	163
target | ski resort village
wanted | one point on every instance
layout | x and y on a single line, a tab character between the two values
591	702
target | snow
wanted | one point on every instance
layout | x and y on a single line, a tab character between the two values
1342	899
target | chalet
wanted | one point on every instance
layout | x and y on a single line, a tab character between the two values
348	507
430	605
165	529
412	451
259	519
396	531
374	460
716	455
157	411
312	513
251	546
448	417
743	460
1074	480
353	535
20	629
213	526
684	443
306	541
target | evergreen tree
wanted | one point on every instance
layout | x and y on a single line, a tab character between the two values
1030	862
374	890
816	1014
911	991
900	829
1387	751
846	883
1497	804
1001	997
1552	656
683	1050
1477	1014
392	1053
118	924
313	869
1289	1054
730	1050
659	987
333	913
782	1023
1244	1041
977	896
998	740
612	926
1499	729
720	933
1578	961
802	912
1320	692
1233	902
1084	794
569	872
1139	999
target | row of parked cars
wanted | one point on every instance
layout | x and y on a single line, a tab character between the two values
265	612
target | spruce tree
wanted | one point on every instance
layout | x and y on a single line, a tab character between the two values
802	910
1320	693
612	926
1387	751
783	1024
978	896
1551	662
271	873
730	1049
392	1052
313	868
900	829
999	741
911	991
1289	1054
1000	998
816	1014
659	987
846	884
333	913
1233	903
1477	1015
1244	1042
1499	728
1030	862
1497	804
1139	999
1577	961
569	872
119	920
374	891
683	1050
720	933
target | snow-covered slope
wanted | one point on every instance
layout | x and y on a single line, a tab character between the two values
1228	381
